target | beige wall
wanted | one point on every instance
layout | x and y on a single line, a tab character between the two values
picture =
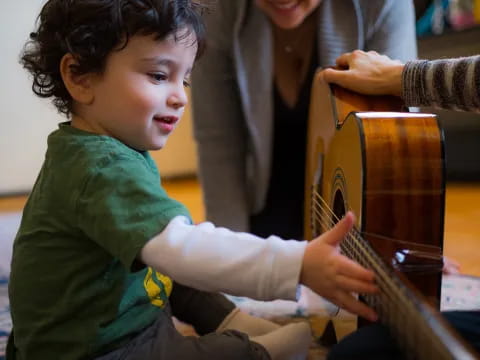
25	119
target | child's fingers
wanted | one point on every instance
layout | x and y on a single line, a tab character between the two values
357	286
348	302
340	230
354	270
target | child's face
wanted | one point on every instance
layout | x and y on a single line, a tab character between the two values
140	97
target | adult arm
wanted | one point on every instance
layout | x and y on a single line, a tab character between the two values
219	126
446	83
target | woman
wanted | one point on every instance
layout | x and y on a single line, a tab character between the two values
251	94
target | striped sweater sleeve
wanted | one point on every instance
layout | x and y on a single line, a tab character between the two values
449	84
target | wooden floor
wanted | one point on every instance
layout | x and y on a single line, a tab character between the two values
462	226
462	219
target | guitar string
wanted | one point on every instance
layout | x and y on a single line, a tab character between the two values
392	318
408	307
350	247
356	245
409	310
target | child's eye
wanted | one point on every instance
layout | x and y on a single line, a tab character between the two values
158	76
186	83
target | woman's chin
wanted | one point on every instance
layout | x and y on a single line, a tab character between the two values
288	23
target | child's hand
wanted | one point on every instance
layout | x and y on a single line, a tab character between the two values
334	276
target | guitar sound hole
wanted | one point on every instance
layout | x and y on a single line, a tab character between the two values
324	218
338	207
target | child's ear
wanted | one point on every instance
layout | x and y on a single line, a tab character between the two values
79	86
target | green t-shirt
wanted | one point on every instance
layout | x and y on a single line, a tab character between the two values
75	287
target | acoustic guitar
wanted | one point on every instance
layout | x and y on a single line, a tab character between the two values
370	155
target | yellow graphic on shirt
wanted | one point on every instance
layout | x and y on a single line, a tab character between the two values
154	290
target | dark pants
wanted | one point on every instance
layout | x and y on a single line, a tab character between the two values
205	311
373	342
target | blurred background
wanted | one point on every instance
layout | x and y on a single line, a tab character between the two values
451	28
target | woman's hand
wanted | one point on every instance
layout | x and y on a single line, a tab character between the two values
333	275
450	266
367	73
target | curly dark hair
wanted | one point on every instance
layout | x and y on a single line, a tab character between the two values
91	29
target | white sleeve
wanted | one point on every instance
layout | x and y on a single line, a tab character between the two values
212	258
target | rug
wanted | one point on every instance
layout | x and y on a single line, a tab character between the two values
9	223
5	320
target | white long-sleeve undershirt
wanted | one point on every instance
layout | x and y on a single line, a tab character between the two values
212	258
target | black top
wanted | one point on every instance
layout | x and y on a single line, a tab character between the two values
283	211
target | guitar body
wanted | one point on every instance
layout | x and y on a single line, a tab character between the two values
388	169
369	155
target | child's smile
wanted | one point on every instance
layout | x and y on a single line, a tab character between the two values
166	123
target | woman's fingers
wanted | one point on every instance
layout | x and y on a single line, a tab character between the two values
343	60
450	266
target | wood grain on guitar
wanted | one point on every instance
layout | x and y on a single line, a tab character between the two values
370	155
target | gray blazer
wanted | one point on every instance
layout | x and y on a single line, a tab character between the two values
232	90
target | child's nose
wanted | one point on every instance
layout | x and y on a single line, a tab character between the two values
178	98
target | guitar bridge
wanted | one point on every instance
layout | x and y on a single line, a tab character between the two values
408	261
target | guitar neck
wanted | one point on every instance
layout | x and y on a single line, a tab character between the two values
414	324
